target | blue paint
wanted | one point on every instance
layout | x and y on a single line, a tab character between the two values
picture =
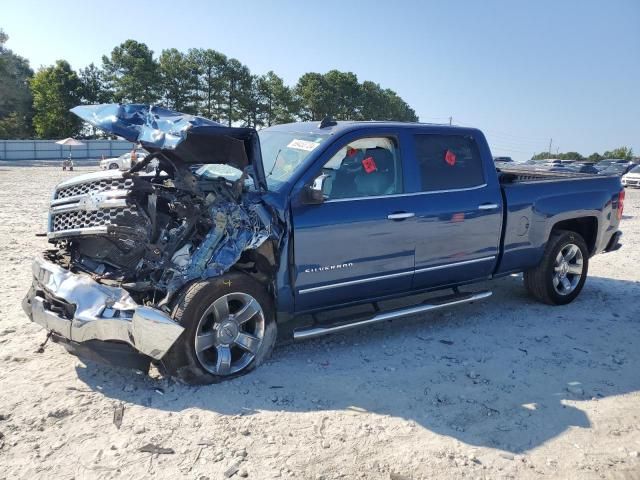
449	240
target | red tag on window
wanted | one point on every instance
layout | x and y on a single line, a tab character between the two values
351	152
450	158
369	165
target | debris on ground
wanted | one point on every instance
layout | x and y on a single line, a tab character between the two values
151	448
118	414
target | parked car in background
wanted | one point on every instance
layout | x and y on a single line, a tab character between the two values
612	162
603	164
123	162
584	168
561	169
632	177
617	168
502	159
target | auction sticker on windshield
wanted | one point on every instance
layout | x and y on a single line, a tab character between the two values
302	145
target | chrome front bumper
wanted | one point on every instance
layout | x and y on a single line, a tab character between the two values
79	309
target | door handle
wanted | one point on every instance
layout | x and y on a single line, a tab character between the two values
488	206
400	215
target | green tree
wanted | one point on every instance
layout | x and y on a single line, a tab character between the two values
275	101
340	95
398	108
237	92
570	156
210	66
249	103
93	89
15	97
620	152
55	90
594	157
379	104
132	73
345	94
373	102
179	80
316	96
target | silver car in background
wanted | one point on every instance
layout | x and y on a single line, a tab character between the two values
632	178
123	162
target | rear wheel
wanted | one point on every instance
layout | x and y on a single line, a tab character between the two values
229	329
561	274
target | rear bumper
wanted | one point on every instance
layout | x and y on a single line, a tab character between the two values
77	308
614	243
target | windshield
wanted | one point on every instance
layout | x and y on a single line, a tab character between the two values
635	169
284	151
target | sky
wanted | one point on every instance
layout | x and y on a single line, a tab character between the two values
526	73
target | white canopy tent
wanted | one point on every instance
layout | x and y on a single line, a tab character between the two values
71	142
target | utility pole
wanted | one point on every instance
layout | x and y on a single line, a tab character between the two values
550	143
450	120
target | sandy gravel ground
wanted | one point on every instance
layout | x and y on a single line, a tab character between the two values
504	388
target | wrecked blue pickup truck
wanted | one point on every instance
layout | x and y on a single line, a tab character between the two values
241	238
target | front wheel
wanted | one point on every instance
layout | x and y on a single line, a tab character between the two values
113	166
560	275
230	329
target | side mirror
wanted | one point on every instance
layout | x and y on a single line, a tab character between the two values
314	193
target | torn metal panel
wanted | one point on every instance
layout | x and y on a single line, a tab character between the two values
236	228
184	138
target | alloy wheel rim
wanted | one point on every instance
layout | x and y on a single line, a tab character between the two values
229	334
568	269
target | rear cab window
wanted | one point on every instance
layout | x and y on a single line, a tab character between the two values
448	162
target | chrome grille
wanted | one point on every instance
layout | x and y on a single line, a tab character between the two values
96	186
88	204
82	219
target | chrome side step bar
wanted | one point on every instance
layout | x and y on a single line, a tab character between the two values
434	304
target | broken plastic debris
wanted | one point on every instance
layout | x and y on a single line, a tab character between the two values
151	448
118	413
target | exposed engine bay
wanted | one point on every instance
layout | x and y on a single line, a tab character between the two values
153	233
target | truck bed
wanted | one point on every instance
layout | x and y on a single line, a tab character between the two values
536	201
528	174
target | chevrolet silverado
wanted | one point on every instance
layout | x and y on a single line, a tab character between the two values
242	238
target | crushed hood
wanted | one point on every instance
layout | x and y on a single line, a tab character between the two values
182	137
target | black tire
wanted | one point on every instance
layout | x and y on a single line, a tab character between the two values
182	360
539	281
113	166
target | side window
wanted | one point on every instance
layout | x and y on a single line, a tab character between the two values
448	162
363	168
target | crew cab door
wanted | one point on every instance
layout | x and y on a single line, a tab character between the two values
458	207
357	243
